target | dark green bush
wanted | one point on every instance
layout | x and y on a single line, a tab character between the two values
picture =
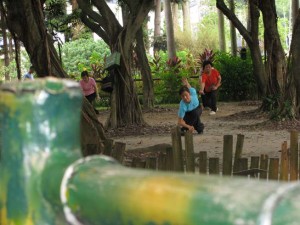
238	82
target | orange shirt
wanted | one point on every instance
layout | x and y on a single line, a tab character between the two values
211	79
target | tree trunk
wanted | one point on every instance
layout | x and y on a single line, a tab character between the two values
169	30
157	19
248	16
221	31
174	12
37	42
295	7
125	107
232	31
257	62
275	56
186	17
143	64
5	45
293	84
251	38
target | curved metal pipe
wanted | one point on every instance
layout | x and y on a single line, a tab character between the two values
98	190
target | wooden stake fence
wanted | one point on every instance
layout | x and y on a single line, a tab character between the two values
175	158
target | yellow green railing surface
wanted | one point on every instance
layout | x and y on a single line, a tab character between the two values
44	180
40	138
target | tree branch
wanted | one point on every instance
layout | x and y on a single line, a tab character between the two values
235	21
95	28
108	16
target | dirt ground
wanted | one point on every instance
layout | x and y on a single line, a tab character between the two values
261	135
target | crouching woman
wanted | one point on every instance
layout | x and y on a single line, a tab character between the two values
189	109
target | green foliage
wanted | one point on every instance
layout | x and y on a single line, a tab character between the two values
238	82
84	54
207	36
170	73
12	68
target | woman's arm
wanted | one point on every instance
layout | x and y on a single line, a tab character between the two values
185	82
202	86
215	87
182	123
96	89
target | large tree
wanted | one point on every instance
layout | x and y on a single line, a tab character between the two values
25	19
221	29
293	76
271	75
251	38
232	31
5	44
186	16
96	14
169	29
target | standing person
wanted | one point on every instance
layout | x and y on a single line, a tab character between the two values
29	75
89	88
210	82
189	109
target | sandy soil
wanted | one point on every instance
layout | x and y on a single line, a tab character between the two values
261	135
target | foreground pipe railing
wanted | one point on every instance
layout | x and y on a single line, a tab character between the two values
119	195
43	179
40	137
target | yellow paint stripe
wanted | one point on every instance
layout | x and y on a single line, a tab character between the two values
155	199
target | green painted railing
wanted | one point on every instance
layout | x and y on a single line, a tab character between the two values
40	137
44	180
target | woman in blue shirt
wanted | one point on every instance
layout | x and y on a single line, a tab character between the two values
189	109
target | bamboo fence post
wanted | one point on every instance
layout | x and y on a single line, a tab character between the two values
108	146
177	149
162	161
238	151
138	163
203	162
151	163
242	164
189	151
264	166
273	169
294	160
284	164
169	159
118	151
254	164
227	154
213	166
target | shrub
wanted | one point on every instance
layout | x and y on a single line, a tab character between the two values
238	82
83	54
168	73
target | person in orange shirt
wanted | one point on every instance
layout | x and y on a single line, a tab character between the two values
210	82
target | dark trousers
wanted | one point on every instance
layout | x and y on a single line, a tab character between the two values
192	118
209	99
91	98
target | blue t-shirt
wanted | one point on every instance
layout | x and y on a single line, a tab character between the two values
187	107
28	76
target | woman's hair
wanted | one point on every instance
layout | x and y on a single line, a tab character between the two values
84	73
183	89
206	62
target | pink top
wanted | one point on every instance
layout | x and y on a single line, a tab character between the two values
88	88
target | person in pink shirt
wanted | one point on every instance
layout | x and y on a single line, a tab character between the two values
89	88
